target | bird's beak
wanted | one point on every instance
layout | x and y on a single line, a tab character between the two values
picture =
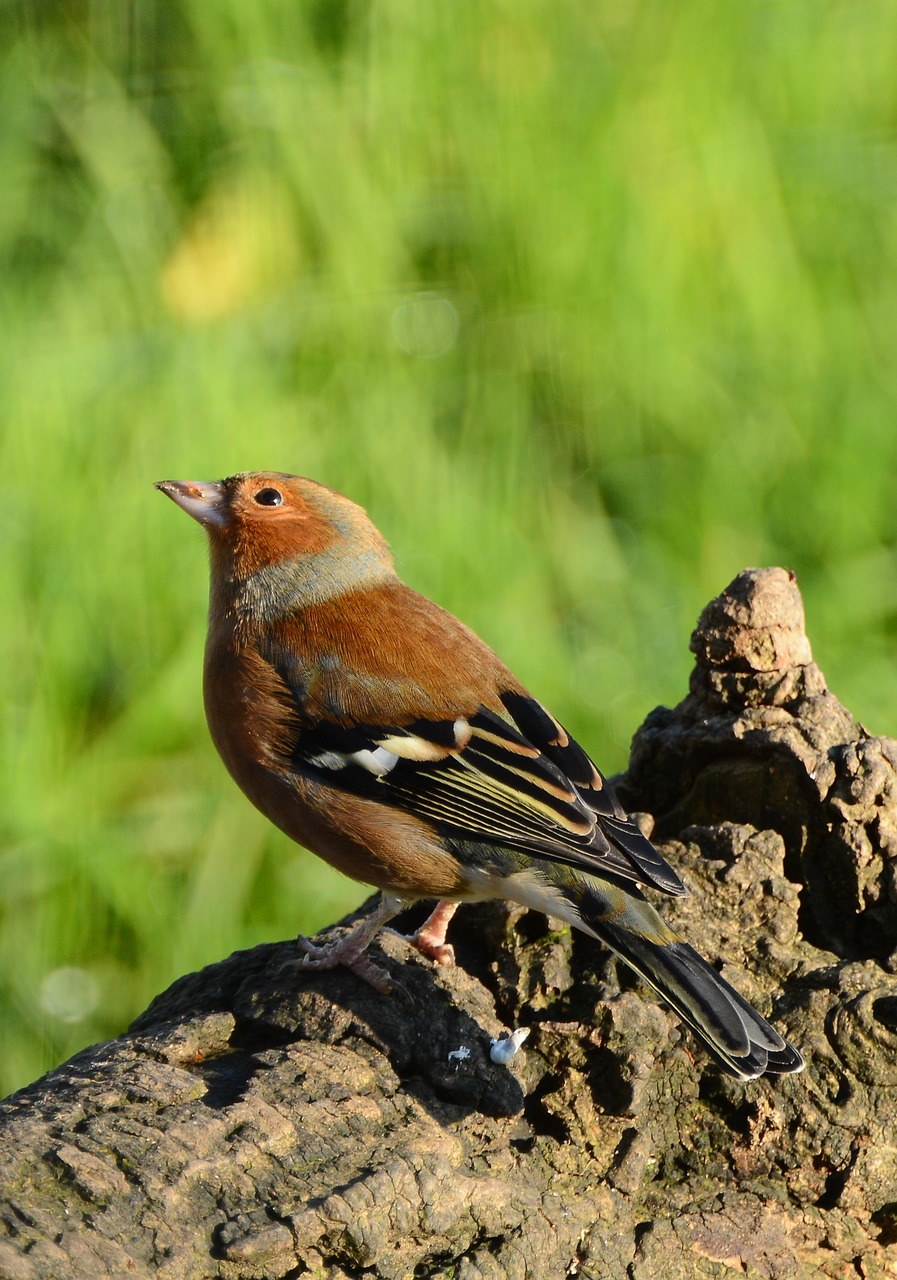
201	499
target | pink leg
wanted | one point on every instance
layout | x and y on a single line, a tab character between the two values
430	937
349	951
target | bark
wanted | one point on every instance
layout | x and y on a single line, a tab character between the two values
255	1122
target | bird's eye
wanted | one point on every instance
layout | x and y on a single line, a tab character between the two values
268	497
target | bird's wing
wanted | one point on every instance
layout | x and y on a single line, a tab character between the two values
541	728
513	779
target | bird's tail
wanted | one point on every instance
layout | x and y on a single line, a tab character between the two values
730	1029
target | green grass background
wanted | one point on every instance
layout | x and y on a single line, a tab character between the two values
591	304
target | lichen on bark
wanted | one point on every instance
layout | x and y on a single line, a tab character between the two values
252	1124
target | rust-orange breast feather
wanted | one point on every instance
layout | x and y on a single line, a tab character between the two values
256	724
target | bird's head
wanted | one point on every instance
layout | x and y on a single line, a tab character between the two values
279	541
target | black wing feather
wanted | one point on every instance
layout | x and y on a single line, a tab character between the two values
544	732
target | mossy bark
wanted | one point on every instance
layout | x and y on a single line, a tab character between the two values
258	1123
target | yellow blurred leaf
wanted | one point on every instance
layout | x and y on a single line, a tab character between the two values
240	244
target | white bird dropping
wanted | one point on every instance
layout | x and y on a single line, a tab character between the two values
504	1050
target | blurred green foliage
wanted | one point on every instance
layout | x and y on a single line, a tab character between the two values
591	304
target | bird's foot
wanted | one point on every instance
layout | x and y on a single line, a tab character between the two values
429	939
342	953
439	952
350	951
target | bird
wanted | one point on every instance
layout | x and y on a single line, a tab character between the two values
380	732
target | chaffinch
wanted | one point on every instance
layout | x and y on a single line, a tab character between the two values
380	732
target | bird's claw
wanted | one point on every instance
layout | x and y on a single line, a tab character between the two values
343	953
442	953
429	939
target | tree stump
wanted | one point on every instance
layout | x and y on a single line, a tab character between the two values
254	1123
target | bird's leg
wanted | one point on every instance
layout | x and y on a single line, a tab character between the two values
429	939
349	951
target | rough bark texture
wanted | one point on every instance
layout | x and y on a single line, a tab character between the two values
255	1123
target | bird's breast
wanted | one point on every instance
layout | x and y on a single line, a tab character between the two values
252	718
255	723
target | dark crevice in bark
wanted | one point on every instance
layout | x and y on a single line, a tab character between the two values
226	1078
